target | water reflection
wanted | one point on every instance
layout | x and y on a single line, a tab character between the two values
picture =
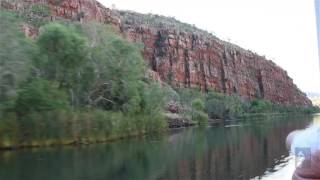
285	170
255	149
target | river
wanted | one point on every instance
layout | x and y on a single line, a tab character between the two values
249	149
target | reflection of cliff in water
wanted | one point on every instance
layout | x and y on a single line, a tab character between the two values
237	152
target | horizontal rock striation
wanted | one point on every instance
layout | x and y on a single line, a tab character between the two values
185	56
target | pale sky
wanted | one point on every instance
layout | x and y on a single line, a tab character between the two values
282	30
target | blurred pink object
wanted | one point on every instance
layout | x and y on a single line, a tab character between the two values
309	169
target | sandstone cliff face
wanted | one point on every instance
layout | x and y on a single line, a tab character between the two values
193	58
184	56
186	60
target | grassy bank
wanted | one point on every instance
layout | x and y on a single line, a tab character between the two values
74	127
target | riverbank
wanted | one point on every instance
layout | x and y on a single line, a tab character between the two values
66	127
98	127
86	138
74	143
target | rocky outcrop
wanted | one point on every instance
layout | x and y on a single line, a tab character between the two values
78	10
183	55
199	60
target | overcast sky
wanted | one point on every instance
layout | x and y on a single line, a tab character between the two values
282	30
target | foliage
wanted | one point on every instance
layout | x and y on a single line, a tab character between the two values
119	69
40	95
35	15
260	106
153	98
187	95
70	66
63	50
62	57
160	22
192	101
15	58
197	104
185	98
200	117
198	113
222	106
73	127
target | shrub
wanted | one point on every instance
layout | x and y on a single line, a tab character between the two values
200	117
260	106
221	106
187	95
16	54
64	50
197	104
215	107
40	95
119	70
63	57
153	98
198	113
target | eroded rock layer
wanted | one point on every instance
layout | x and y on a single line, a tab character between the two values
183	55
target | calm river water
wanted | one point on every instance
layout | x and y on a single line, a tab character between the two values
251	149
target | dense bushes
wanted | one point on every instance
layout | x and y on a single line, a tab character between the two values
15	59
260	106
191	101
212	105
222	106
39	96
62	50
198	113
76	84
119	70
70	127
263	106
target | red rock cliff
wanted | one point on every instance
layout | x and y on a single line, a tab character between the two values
185	56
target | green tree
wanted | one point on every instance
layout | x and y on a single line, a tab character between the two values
63	56
16	53
155	97
197	104
40	95
221	106
119	69
261	106
65	51
198	113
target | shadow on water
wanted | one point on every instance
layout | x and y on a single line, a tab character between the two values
250	148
